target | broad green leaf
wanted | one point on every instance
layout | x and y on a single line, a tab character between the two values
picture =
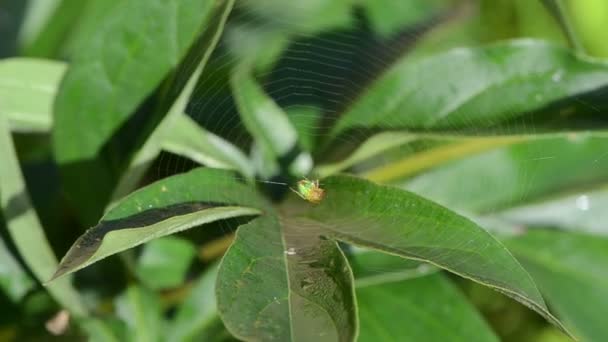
572	272
27	89
265	120
186	138
515	174
141	310
24	226
280	281
164	262
14	281
428	308
473	87
162	208
401	223
176	131
584	212
197	318
122	64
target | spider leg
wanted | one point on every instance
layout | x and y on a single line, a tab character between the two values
299	194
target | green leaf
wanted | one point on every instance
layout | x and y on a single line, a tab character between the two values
164	262
47	38
24	226
36	16
14	281
401	223
121	65
584	212
109	330
427	308
165	207
176	131
388	17
572	272
265	120
186	138
27	89
515	174
373	146
473	87
280	281
197	318
141	310
371	267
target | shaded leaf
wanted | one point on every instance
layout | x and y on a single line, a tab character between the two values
402	223
27	89
14	281
164	262
165	207
428	308
388	17
572	272
98	330
371	267
24	226
197	318
473	87
122	64
280	281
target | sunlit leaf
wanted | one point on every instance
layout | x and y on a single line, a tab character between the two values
122	64
165	207
471	88
27	89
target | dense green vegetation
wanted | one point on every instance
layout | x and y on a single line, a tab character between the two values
155	146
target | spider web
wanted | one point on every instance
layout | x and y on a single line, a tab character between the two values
314	59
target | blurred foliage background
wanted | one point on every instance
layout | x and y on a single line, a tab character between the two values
295	48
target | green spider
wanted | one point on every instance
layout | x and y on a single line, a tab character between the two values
309	190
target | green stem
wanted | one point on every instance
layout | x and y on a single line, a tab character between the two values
558	10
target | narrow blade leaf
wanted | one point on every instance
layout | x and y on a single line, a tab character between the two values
27	89
165	207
